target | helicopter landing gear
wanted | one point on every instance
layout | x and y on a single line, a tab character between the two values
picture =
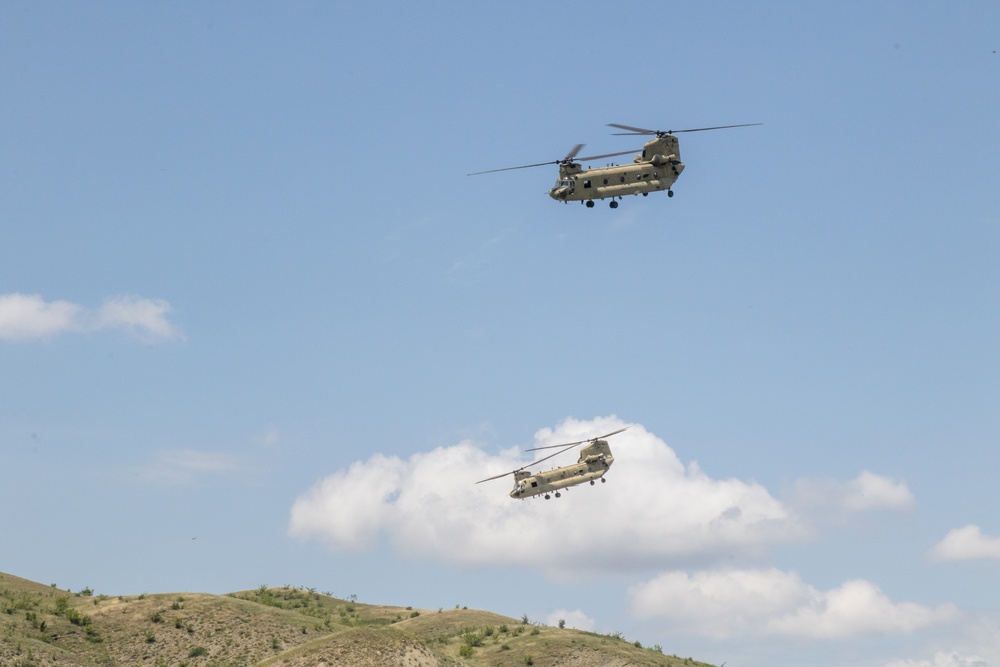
558	495
613	204
546	496
603	480
591	482
590	203
670	193
645	194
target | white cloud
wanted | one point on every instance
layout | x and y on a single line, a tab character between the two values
573	619
966	543
146	318
653	510
26	317
942	659
269	437
729	603
183	466
868	491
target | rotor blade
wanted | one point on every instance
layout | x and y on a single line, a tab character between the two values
639	130
498	476
631	130
523	166
719	127
533	463
578	442
572	154
598	157
546	458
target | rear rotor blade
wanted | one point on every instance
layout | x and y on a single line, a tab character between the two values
719	127
578	442
640	130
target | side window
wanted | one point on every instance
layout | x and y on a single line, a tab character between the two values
586	184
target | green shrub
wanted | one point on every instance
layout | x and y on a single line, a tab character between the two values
465	651
197	652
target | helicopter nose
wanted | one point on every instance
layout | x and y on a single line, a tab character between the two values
559	193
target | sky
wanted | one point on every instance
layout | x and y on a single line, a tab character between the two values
258	326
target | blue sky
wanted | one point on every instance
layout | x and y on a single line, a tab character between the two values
248	295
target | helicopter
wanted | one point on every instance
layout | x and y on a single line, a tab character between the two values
655	169
594	461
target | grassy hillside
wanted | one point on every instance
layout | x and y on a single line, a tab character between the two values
43	626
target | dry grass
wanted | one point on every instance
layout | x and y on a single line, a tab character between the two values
43	626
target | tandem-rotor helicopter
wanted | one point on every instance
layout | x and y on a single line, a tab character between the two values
654	169
595	459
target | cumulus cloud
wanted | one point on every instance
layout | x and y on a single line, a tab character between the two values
966	543
734	602
653	510
183	466
866	492
25	317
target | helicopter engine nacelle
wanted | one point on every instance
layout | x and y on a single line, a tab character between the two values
660	160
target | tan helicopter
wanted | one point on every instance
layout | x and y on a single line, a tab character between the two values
654	169
595	459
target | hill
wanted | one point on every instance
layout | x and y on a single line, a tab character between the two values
44	626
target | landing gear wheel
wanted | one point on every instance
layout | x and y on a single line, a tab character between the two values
670	193
591	482
546	496
613	204
558	495
590	203
603	480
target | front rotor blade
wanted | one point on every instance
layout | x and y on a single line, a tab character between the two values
499	476
631	130
598	157
523	166
546	458
572	154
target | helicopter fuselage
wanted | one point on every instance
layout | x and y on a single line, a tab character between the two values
653	170
595	460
